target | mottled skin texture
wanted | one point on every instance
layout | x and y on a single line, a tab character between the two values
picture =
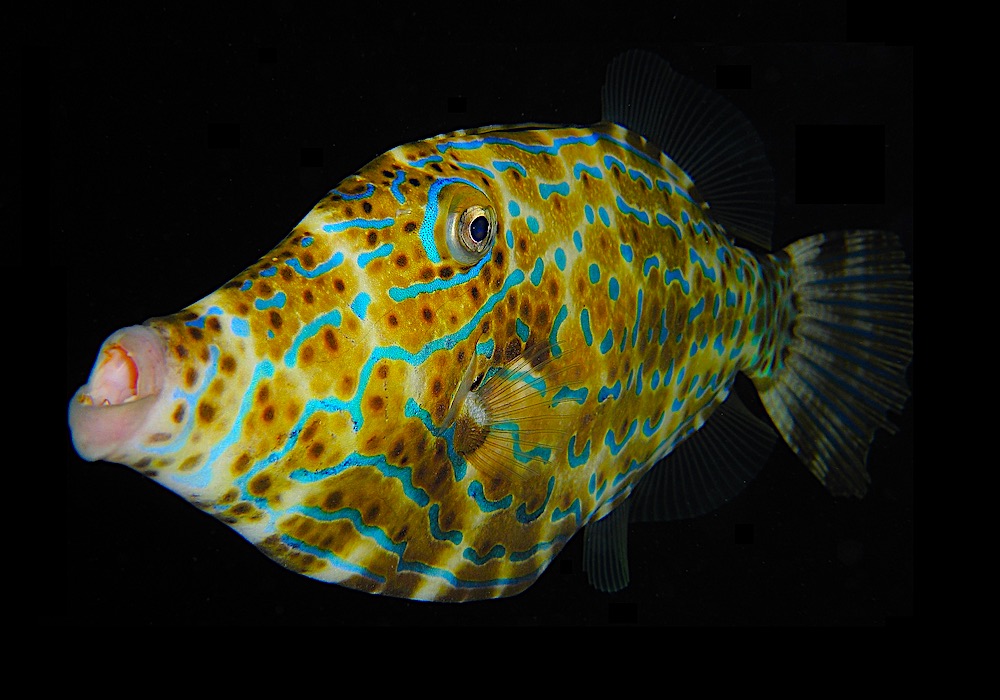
313	407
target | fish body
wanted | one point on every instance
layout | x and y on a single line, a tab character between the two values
472	348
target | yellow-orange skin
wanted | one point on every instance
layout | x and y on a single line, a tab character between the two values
309	404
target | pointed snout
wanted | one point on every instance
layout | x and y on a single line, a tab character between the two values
110	410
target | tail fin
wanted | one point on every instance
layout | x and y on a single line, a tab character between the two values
844	365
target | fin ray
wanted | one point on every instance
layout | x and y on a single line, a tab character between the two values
844	366
701	131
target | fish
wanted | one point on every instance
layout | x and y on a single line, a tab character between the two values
481	343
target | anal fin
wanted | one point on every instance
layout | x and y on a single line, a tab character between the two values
709	468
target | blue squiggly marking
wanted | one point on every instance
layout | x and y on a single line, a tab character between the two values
434	520
560	317
330	318
580	168
624	208
367	192
585	327
547	190
401	293
321	269
394	186
240	327
360	305
612	392
496	552
477	494
357	223
567	394
522	514
536	272
380	252
504	165
614	445
277	301
575	460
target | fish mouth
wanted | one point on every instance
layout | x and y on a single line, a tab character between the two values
110	410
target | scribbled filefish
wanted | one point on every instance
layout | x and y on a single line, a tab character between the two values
486	341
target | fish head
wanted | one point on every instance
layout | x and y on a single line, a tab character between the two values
327	402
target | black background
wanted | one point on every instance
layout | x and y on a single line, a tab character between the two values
173	167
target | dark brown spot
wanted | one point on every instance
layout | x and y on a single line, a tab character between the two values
393	321
316	449
308	261
512	350
213	324
204	354
542	317
307	353
397	449
190	377
190	463
242	309
227	364
371	515
179	413
427	313
348	382
206	411
268	414
286	273
181	351
410	227
241	464
498	257
275	320
523	244
263	394
195	333
330	339
260	484
332	501
376	403
446	272
414	181
474	292
308	433
338	284
401	260
264	290
382	371
367	206
307	296
372	237
526	310
437	387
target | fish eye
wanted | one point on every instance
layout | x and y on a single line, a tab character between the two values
471	233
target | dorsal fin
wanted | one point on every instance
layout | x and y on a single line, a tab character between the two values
703	133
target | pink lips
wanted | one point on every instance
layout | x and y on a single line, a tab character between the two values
110	410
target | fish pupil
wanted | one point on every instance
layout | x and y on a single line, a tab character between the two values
479	228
